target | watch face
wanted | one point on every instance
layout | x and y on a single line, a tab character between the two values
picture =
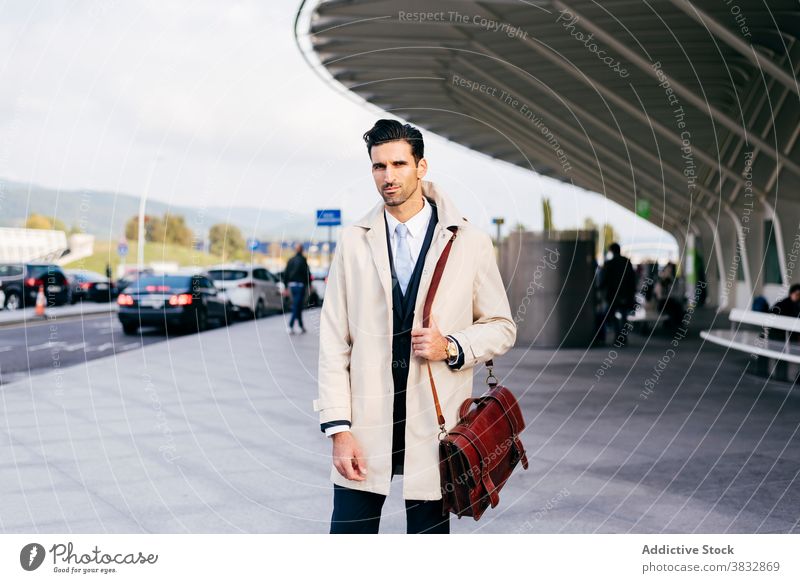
452	351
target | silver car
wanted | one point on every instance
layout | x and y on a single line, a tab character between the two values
253	289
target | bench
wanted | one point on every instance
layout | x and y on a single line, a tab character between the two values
758	343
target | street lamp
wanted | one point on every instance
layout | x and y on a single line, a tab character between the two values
142	205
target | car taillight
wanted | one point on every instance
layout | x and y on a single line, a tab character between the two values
180	300
86	285
125	300
247	284
33	282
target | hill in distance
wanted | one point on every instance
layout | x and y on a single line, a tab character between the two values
104	214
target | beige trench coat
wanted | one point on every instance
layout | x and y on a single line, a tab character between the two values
355	359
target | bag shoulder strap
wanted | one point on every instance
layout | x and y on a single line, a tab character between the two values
426	314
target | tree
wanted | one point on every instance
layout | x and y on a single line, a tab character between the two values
169	229
176	231
609	235
155	229
225	240
547	212
604	238
132	229
37	221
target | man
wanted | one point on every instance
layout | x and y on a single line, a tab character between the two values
297	276
619	282
790	307
375	400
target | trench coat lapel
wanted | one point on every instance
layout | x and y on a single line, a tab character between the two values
376	239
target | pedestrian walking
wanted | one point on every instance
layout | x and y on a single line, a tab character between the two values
375	401
297	277
618	281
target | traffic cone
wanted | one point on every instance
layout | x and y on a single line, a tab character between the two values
40	301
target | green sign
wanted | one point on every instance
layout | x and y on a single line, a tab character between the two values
643	208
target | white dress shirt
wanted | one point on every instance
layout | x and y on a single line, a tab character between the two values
417	226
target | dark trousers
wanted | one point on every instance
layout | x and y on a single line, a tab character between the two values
298	291
618	324
358	512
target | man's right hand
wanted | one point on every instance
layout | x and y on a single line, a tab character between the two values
348	458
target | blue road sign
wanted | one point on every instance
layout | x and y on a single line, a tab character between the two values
329	217
122	249
253	244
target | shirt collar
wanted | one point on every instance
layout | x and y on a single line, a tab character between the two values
416	224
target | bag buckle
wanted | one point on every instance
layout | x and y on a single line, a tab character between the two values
491	376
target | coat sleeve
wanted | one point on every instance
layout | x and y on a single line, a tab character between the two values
335	346
493	330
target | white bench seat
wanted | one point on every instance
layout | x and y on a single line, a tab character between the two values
766	320
754	343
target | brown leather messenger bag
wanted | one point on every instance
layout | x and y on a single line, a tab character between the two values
477	456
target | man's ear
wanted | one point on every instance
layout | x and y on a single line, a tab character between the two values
422	168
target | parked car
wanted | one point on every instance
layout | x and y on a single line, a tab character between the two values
186	301
21	282
254	290
91	286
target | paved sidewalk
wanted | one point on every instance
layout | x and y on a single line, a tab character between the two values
215	433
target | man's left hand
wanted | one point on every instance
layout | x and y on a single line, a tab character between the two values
429	343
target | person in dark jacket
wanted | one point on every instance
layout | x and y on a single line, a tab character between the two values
618	281
789	307
297	276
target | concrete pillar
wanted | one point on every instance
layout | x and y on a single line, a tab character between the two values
550	282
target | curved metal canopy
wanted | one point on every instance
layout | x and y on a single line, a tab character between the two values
691	106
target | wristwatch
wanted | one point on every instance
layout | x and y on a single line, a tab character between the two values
452	350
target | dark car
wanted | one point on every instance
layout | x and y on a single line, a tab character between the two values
130	277
91	286
188	302
22	281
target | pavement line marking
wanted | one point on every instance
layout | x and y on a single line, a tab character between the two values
74	347
5	348
45	346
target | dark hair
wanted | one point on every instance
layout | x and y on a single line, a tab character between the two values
795	288
614	248
389	130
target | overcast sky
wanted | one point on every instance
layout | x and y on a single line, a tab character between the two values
214	99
